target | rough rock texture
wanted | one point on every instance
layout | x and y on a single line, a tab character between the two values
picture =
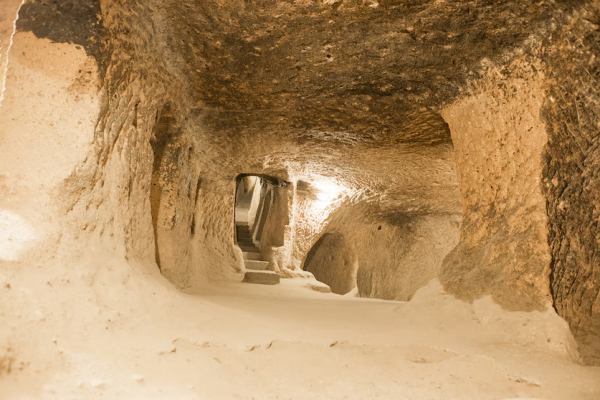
572	175
174	194
108	195
422	182
322	89
397	260
332	261
347	71
331	102
498	135
384	258
125	125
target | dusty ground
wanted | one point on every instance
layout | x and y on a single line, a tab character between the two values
130	335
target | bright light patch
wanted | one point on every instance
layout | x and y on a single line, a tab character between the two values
322	196
327	190
15	233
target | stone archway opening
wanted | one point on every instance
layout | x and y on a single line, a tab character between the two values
259	223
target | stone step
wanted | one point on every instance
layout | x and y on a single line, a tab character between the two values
256	265
245	243
261	277
250	249
251	256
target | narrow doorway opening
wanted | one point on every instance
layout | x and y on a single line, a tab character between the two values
253	200
259	222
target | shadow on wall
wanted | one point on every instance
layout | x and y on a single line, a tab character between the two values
160	136
174	194
332	261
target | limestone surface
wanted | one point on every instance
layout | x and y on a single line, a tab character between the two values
435	161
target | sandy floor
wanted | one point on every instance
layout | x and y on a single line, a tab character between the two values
144	340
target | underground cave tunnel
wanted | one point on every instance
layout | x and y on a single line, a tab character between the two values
415	184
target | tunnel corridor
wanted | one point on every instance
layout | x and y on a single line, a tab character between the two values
273	199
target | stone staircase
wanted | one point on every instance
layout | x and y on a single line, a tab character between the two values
256	269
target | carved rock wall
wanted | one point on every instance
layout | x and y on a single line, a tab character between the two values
572	174
499	135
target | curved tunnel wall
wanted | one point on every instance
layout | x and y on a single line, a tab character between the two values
333	261
571	179
384	258
105	195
